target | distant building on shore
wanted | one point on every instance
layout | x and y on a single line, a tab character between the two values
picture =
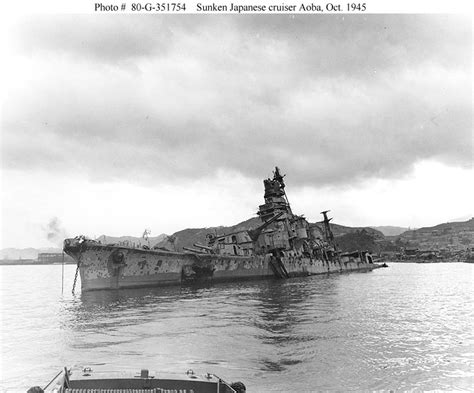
54	257
44	258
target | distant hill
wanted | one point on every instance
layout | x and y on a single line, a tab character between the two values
448	226
187	237
361	240
458	235
452	235
25	253
391	230
340	230
32	253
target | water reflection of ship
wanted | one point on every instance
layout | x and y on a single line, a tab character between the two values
281	316
286	316
101	310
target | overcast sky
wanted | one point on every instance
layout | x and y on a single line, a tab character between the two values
116	123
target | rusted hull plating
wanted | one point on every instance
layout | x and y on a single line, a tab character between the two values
112	267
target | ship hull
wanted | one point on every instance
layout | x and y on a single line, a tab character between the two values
113	267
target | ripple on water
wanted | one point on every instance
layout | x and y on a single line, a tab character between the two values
406	327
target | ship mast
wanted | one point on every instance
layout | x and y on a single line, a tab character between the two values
327	229
278	177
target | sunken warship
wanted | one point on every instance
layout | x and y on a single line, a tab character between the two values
285	245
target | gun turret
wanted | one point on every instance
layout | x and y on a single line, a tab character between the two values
203	247
196	251
255	233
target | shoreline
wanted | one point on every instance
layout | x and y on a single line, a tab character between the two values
30	262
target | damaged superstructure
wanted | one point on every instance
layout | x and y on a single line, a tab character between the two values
284	245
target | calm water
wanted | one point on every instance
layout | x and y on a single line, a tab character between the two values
406	327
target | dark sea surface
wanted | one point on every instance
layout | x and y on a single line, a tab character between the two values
408	327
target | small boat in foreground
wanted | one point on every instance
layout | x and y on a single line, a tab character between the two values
86	380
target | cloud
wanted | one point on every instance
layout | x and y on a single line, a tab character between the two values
105	39
329	99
